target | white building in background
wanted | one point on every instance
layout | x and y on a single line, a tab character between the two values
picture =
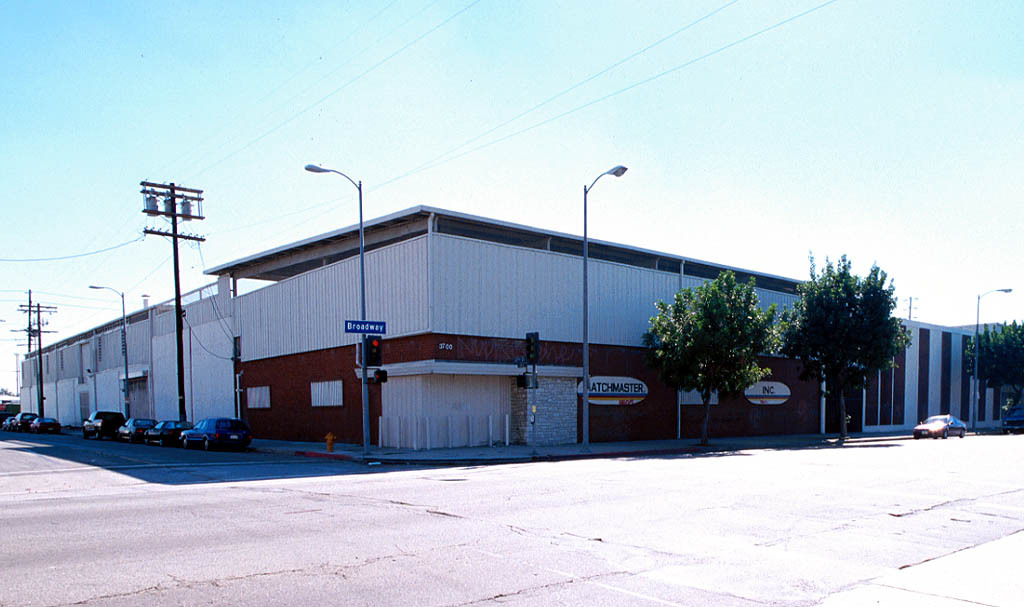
85	373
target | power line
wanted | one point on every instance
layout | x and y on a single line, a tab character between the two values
612	94
282	85
63	257
339	89
561	93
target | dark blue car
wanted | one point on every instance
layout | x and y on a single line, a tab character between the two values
218	432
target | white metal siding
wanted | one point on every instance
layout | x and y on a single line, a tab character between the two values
482	288
445	410
307	312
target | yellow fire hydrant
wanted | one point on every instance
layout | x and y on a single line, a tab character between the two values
330	442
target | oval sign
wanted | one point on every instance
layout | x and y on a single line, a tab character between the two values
767	393
615	390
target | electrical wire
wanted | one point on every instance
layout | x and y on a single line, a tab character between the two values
76	256
636	84
284	83
192	335
559	94
340	88
223	323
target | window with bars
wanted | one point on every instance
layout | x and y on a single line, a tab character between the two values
326	393
257	397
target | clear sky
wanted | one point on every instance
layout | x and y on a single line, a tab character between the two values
755	132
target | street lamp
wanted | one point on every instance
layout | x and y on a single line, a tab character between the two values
977	349
615	171
124	346
312	168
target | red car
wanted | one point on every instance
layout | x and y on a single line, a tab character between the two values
44	424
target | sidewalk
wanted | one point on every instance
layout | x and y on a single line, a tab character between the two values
479	456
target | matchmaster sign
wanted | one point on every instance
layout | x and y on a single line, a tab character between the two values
615	390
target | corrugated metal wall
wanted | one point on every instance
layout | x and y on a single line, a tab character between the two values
430	411
307	312
481	288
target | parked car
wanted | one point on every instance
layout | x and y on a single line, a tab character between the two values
45	424
1013	420
134	430
216	432
940	425
167	433
8	422
4	416
102	423
22	421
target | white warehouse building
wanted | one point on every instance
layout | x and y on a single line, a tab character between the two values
458	293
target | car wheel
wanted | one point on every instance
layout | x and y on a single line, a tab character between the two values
945	434
184	443
85	435
963	432
206	444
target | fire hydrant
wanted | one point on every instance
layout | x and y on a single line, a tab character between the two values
330	442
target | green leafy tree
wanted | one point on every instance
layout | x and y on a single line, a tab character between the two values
842	329
1001	359
709	339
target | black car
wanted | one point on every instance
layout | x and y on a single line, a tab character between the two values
215	432
6	417
102	423
22	421
167	433
134	430
1013	420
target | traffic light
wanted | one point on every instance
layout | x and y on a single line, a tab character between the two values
532	347
380	376
372	344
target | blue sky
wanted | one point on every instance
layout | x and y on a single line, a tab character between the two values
888	131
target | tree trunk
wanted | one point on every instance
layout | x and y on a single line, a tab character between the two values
844	431
707	418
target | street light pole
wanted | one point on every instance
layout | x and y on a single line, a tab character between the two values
977	349
124	346
615	171
312	168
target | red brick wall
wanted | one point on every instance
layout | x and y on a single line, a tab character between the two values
291	416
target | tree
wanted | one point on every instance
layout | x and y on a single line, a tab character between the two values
709	339
1001	358
5	392
842	329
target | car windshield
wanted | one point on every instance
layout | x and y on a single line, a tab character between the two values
181	425
936	419
144	423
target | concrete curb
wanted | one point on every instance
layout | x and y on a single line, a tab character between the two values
454	460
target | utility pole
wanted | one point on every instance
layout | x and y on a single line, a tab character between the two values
191	202
38	332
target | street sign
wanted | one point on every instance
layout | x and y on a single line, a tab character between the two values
366	326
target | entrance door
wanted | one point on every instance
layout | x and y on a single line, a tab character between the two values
83	405
138	397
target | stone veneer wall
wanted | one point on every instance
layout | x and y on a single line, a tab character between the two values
555	422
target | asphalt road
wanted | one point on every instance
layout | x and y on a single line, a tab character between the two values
894	523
